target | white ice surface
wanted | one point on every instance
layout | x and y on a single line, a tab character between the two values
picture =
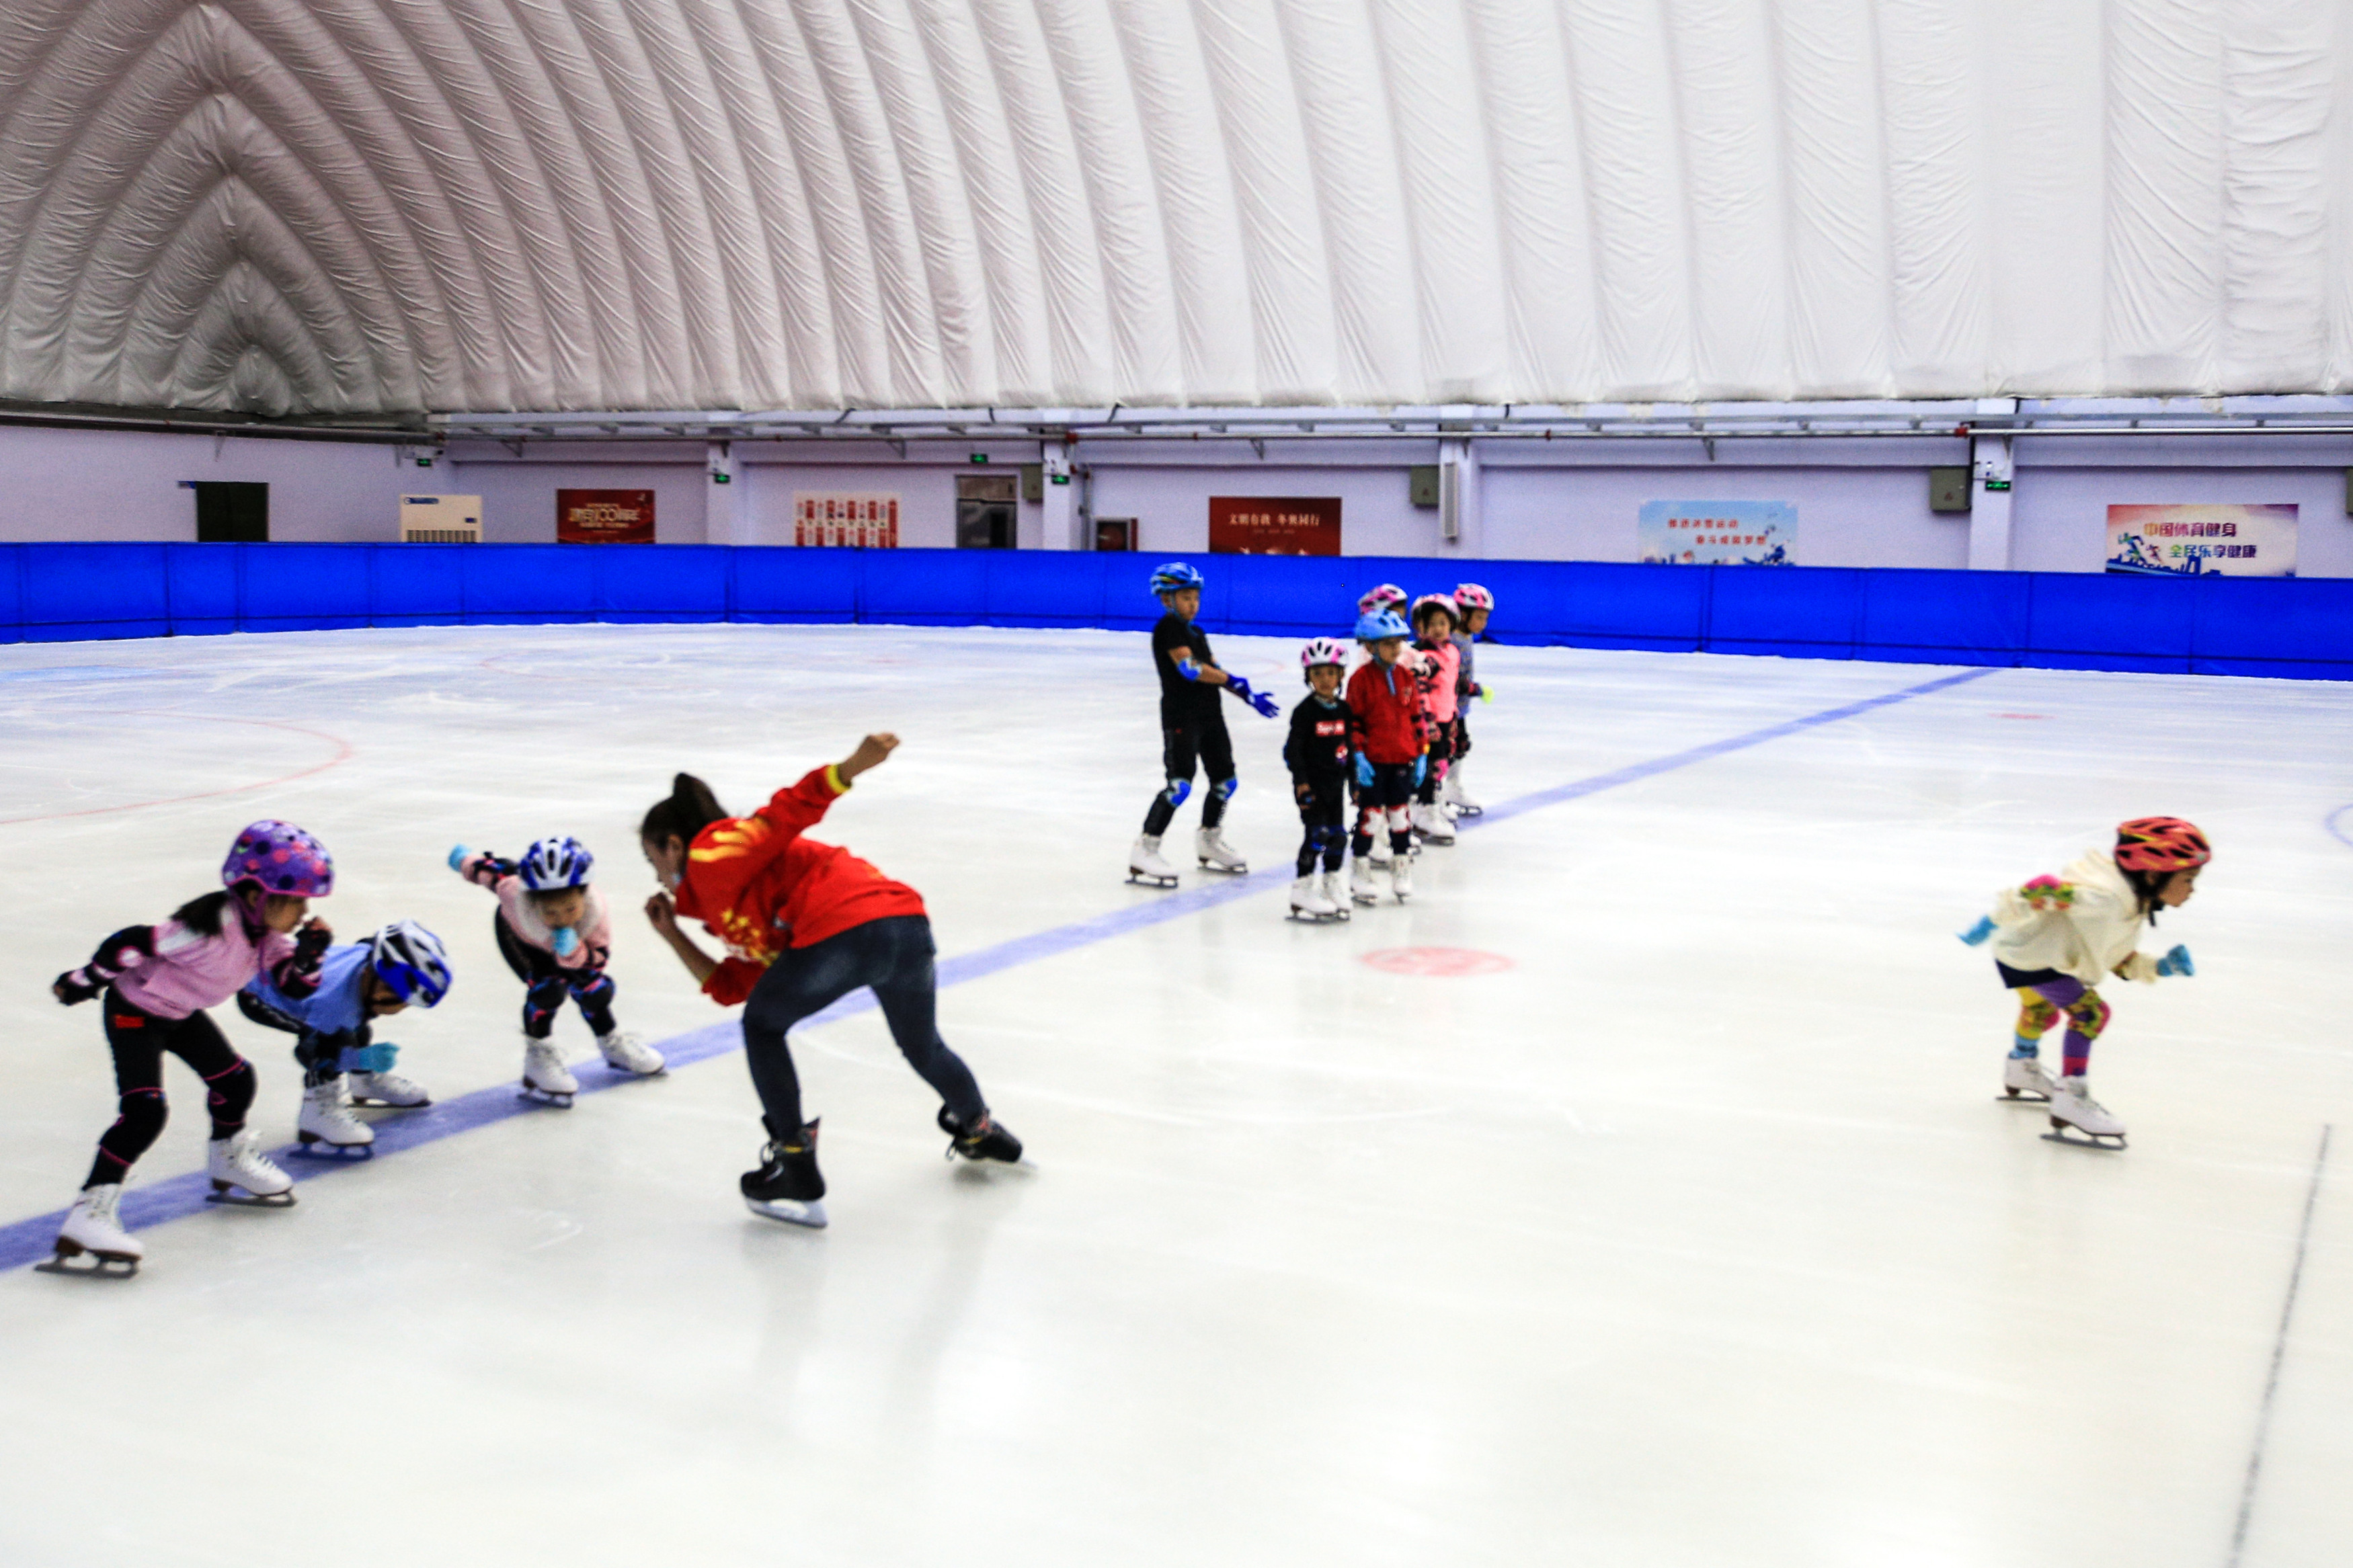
1695	1237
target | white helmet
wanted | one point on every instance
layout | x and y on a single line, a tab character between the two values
1321	651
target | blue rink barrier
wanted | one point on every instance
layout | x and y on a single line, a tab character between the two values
2299	628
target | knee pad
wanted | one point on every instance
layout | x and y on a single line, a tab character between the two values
1224	788
595	991
143	1114
2089	1014
2036	1017
232	1087
1176	791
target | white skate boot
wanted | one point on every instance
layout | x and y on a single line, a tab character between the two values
91	1231
1362	887
237	1164
2073	1109
327	1130
1145	866
386	1089
1210	845
1458	797
1402	877
545	1076
1432	824
1334	889
2022	1078
1308	902
627	1053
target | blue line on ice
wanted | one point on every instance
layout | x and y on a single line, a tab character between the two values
28	1241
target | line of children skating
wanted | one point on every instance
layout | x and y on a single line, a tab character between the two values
803	924
1387	739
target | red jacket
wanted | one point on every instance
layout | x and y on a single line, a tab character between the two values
1385	722
761	888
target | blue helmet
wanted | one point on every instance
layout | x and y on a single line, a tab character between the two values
1172	575
1379	624
555	863
411	961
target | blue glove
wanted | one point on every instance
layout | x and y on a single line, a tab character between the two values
2177	962
1421	769
1364	770
1976	933
566	939
1266	705
367	1058
458	854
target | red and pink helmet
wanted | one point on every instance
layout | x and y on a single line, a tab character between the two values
1471	597
1387	596
279	858
1321	651
1437	602
2160	844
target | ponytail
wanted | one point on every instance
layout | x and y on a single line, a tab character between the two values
691	808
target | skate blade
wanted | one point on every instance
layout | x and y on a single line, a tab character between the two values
617	1071
544	1096
1145	880
100	1265
808	1215
1225	871
2077	1139
340	1154
358	1104
1308	918
2020	1097
1469	811
239	1198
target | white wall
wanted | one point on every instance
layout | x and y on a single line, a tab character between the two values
65	484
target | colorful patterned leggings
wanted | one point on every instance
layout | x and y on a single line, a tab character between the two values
2040	1006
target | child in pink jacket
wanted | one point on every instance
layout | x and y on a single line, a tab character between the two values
1434	620
157	981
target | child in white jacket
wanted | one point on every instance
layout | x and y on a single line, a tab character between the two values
2056	937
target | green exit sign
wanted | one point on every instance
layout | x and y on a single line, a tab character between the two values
980	456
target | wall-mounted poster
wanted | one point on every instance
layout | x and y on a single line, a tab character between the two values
604	517
845	519
1270	525
1718	533
2198	541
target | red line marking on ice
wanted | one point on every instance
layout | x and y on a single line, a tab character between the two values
1449	961
2021	715
343	753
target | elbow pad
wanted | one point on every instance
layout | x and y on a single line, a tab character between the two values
1189	669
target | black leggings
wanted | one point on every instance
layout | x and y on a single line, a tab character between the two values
139	1039
547	983
1441	751
894	957
1202	739
1324	813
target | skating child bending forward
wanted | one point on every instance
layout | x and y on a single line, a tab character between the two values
2056	937
335	1032
804	924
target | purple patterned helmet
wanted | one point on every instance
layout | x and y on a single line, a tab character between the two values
279	858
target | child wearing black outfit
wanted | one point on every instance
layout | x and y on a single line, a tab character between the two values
1192	729
1316	752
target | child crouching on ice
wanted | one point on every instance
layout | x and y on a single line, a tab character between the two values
359	983
556	934
2058	937
157	981
1388	735
1316	752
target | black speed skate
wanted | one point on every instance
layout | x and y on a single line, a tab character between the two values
787	1185
986	1139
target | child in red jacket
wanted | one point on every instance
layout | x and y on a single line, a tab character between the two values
804	924
1388	730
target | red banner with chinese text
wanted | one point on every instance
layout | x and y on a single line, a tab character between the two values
1268	525
604	517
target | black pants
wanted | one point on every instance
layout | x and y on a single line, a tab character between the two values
1185	739
1441	751
547	983
139	1039
1462	730
893	956
1324	813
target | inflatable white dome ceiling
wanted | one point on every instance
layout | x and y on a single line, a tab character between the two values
341	207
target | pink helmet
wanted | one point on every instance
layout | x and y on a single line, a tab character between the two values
1471	597
279	858
1437	602
2160	844
1321	651
1387	596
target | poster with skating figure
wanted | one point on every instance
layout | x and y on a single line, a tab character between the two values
2200	539
1718	533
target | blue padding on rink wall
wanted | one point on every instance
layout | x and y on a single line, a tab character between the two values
2300	627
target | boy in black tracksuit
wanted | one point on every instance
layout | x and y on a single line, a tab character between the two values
1192	730
1316	752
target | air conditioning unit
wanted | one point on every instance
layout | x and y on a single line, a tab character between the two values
441	520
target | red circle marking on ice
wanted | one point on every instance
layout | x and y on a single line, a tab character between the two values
2021	715
343	753
1448	962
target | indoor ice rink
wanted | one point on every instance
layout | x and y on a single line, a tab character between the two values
1639	1193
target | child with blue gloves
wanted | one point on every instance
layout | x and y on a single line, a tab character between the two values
2056	938
402	965
1389	733
1192	731
555	932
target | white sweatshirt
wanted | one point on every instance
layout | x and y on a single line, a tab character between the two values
2098	936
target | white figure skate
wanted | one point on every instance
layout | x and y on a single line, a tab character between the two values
1334	889
2077	1118
1215	855
1145	866
91	1231
624	1052
237	1164
1362	887
1432	824
546	1079
2023	1079
327	1130
1402	879
386	1089
1309	904
1458	797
